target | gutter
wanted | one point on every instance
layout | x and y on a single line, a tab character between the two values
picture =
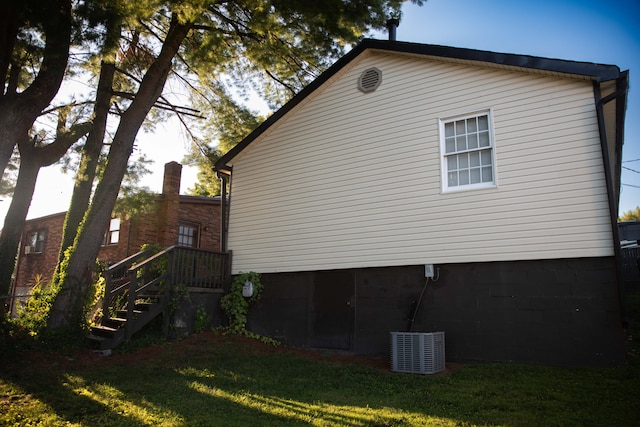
620	95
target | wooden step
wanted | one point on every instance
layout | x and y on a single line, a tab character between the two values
97	338
114	322
103	331
150	292
122	314
104	343
144	306
148	297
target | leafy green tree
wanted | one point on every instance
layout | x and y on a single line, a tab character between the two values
231	123
212	49
33	156
94	144
630	215
22	46
31	70
283	45
35	39
134	199
73	280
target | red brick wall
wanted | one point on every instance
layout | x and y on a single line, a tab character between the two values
159	227
206	214
114	253
31	265
144	229
154	227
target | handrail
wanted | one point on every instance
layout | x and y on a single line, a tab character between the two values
186	266
139	283
129	260
109	275
151	259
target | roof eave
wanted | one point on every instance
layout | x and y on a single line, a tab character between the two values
222	165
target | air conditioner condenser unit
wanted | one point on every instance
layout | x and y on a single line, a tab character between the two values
417	352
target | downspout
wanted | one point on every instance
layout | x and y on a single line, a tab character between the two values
128	244
613	197
225	177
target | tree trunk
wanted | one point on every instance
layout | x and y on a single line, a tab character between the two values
75	277
32	158
88	168
89	163
18	111
14	224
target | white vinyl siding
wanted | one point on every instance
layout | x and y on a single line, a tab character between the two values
350	179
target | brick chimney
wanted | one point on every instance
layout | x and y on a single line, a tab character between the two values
169	205
172	176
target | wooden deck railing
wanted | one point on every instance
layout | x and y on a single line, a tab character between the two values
200	269
118	282
143	275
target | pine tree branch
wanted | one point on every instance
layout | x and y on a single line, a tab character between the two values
164	104
285	85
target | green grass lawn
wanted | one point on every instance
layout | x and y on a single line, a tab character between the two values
209	380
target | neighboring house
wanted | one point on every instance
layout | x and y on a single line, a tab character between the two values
177	220
500	170
629	233
629	242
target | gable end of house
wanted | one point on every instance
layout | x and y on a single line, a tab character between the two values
532	64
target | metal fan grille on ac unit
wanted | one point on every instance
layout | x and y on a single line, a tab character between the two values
417	352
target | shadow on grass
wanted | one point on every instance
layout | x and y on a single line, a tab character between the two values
47	400
226	385
205	381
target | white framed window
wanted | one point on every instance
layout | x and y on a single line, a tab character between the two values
188	235
467	147
36	242
112	236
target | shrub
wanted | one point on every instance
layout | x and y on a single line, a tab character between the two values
235	306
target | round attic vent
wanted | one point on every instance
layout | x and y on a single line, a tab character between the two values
370	79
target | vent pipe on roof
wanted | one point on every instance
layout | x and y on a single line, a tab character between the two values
392	26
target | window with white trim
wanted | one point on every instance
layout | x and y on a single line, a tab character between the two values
188	235
36	242
112	236
467	152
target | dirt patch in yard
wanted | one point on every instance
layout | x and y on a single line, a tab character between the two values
42	360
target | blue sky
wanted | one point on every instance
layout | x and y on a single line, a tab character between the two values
605	32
